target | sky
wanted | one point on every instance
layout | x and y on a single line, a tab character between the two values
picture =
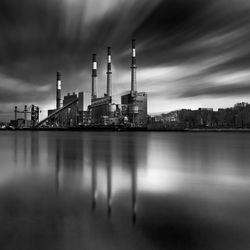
190	54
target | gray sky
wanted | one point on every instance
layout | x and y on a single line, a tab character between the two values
190	54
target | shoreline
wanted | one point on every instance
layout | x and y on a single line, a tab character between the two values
114	129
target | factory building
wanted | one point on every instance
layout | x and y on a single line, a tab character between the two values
136	108
133	108
102	108
76	113
90	109
136	102
69	116
99	107
84	117
30	114
21	123
72	110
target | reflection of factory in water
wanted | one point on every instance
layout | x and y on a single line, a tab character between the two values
106	180
88	109
96	166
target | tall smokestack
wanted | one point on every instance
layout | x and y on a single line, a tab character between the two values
109	74
94	76
58	91
133	68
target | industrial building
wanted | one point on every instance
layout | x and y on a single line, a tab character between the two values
74	111
136	101
71	111
85	109
102	108
133	107
30	117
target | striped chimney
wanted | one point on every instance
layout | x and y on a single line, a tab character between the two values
94	76
133	68
58	91
109	73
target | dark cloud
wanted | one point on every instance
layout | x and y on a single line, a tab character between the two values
40	37
175	28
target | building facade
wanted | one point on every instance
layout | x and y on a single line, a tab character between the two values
99	108
136	108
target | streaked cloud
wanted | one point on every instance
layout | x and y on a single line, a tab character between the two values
189	52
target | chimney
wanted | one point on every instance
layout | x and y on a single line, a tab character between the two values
133	69
109	74
58	91
94	76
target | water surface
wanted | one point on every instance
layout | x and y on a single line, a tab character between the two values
119	190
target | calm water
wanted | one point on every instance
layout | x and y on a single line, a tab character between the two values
107	190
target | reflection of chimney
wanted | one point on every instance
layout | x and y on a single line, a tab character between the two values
133	68
109	187
94	76
109	73
93	162
58	91
58	163
134	190
94	179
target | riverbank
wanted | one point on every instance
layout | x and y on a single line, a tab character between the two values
117	129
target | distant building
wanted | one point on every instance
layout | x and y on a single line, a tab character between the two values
206	115
170	117
241	105
20	123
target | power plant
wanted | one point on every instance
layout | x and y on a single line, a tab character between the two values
87	109
133	108
102	108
